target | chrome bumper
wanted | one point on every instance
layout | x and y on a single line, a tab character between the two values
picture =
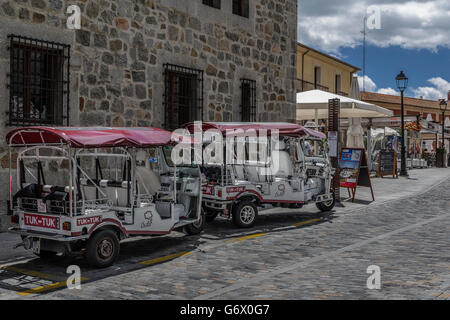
216	204
324	197
49	236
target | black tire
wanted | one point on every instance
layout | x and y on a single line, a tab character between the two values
102	249
196	228
327	205
245	214
210	215
45	254
296	206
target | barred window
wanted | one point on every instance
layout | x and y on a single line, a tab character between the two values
248	100
38	82
183	95
337	84
212	3
241	8
317	77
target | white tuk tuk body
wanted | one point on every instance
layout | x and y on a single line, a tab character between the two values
113	182
235	190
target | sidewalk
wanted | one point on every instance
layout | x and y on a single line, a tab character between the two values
388	189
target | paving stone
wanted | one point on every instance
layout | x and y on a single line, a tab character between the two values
404	232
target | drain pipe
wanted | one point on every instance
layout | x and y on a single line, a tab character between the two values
303	67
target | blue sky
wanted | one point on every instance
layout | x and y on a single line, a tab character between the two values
383	64
413	36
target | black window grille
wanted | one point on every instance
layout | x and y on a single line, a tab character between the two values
241	8
248	100
39	82
212	3
183	95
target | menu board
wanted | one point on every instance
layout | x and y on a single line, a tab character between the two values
353	170
333	143
387	163
349	165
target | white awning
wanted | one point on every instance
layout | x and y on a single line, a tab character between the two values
314	105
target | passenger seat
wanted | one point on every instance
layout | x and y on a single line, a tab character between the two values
148	178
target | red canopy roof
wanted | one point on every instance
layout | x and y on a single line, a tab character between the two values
284	129
90	137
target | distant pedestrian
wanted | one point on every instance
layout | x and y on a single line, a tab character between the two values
307	148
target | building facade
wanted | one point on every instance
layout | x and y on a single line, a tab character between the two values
426	109
317	70
155	63
414	108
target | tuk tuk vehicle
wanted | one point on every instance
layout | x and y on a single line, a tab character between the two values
287	171
86	189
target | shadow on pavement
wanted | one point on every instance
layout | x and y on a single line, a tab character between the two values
42	276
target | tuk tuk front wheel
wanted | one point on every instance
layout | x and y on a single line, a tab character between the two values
102	248
327	205
196	227
244	214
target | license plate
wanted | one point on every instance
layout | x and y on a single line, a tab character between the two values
208	190
35	220
42	206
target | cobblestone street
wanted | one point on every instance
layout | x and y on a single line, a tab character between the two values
290	254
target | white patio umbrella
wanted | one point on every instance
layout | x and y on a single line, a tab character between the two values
313	105
355	132
355	93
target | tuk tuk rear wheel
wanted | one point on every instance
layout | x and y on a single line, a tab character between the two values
245	214
196	227
102	248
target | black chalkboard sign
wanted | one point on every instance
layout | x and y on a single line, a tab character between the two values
387	163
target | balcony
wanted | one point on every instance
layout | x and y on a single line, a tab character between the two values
303	85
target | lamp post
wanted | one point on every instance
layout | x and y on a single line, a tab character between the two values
402	84
443	107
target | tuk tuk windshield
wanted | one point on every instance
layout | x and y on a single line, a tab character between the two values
314	147
190	163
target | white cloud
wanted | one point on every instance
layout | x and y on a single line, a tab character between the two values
439	90
390	91
369	84
330	25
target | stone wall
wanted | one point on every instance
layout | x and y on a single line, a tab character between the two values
118	56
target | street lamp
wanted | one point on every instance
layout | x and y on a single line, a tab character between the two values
402	84
443	107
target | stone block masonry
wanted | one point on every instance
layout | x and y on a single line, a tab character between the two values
117	58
